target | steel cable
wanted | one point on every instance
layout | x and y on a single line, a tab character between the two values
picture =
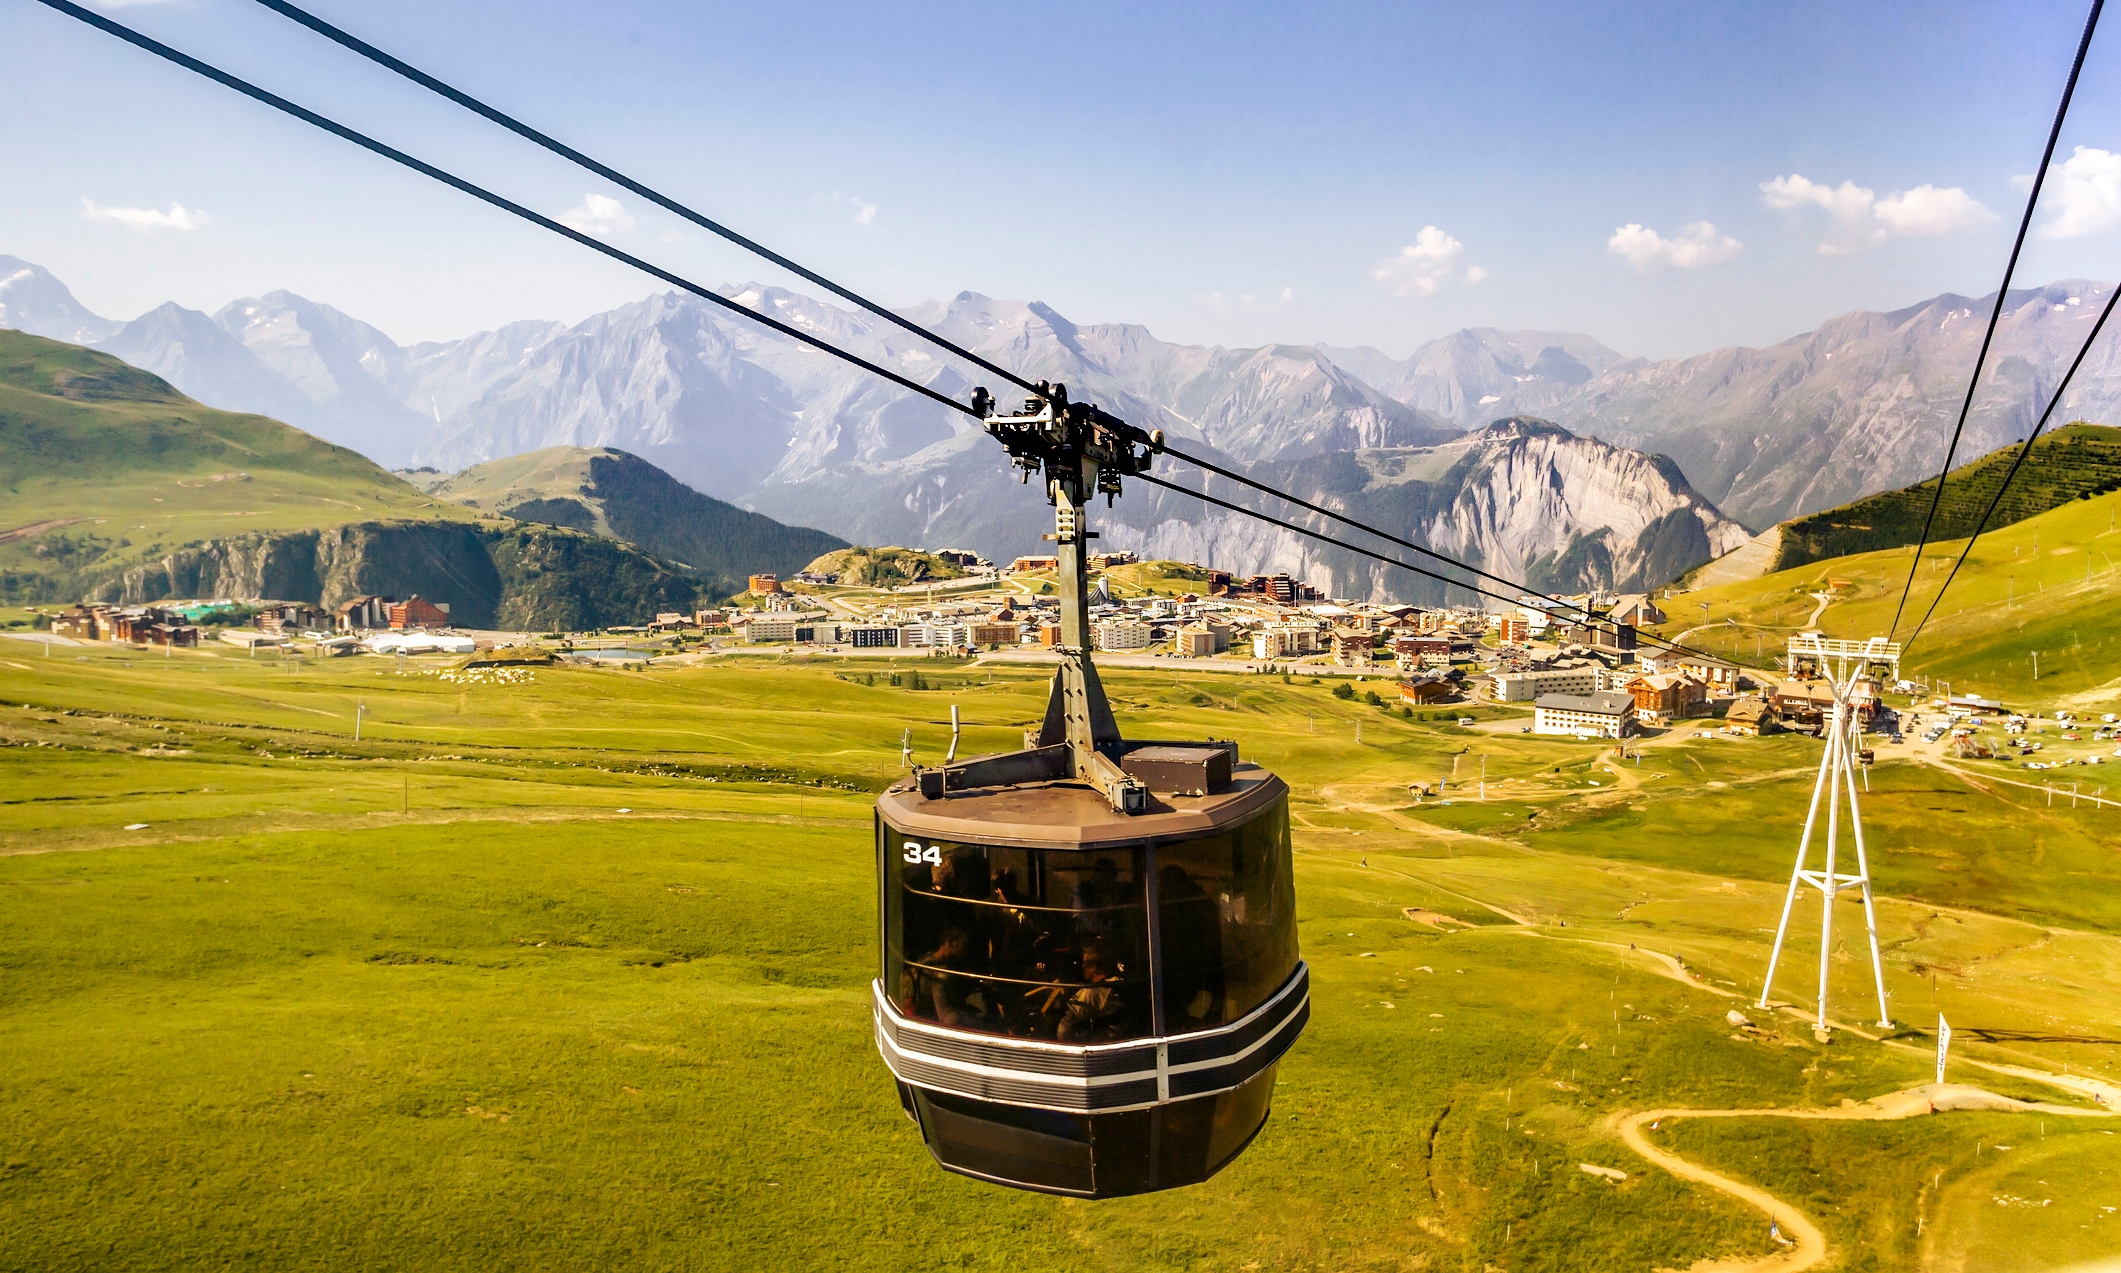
426	169
344	132
1321	536
569	153
2025	223
2016	461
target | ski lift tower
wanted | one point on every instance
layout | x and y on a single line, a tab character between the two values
1843	665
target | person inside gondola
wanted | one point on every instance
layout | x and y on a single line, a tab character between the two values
1096	894
940	990
1096	1013
1193	956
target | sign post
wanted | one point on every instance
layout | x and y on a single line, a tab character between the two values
1944	1042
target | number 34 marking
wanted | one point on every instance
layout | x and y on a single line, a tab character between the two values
915	853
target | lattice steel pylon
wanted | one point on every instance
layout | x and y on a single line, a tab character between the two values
1844	665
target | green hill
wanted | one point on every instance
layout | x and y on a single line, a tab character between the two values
2070	463
104	467
114	486
619	496
2050	583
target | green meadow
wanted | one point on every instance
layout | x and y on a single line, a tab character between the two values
572	972
2049	584
106	467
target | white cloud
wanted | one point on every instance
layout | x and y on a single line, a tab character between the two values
178	217
1422	267
1860	220
1649	252
1927	210
2085	189
599	214
864	211
1249	303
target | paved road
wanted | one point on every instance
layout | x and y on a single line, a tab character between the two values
1172	663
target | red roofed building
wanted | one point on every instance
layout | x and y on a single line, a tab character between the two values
418	612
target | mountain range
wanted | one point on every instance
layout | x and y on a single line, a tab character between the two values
1863	403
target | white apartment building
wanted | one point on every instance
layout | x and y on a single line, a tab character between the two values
934	636
1120	634
1284	640
1200	640
1605	714
1525	687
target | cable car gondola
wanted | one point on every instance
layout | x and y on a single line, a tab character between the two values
1088	947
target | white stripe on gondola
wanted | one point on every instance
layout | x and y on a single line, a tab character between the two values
1285	1006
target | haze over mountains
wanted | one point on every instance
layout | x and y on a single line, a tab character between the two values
1864	403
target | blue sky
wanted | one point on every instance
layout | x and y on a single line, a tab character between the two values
1359	174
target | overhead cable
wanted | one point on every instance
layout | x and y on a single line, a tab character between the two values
311	117
1524	590
2025	223
613	175
395	155
2018	460
381	58
350	41
1322	537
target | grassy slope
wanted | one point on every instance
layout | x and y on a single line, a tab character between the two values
2062	466
284	1024
85	436
555	473
622	496
2025	588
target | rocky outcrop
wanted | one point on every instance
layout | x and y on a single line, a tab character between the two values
1523	498
512	577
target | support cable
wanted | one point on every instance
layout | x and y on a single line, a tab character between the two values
2017	461
2025	223
344	132
1523	589
1322	537
613	175
381	58
425	169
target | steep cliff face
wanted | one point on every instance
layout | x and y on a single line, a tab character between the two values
1523	498
513	577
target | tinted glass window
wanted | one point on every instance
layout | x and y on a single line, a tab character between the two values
1036	944
1226	908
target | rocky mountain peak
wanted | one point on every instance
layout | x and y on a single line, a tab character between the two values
31	300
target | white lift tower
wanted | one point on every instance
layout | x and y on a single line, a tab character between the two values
1854	669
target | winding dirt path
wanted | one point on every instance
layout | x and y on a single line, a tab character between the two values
1808	1245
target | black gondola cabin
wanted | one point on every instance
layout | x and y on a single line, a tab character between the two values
1089	966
